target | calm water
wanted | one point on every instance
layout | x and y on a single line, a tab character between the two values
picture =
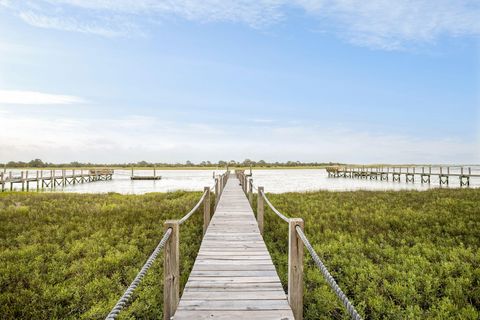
276	181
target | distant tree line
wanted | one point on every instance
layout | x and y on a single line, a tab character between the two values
37	163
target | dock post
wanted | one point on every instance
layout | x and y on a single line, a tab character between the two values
3	181
27	181
154	172
10	178
206	209
52	179
171	270
74	177
260	209
217	196
295	268
41	178
63	177
23	181
250	192
37	180
132	171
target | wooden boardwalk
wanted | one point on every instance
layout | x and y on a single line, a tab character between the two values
233	276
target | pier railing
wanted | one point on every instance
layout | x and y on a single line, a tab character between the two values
171	262
296	242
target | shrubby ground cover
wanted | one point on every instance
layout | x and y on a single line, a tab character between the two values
396	255
71	256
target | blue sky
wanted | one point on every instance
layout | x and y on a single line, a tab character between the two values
312	80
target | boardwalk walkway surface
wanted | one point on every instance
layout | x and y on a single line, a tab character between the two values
233	276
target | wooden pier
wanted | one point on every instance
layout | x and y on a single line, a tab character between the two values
409	174
50	179
233	276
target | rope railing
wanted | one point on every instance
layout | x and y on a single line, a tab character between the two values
278	213
171	267
188	215
328	277
295	258
128	293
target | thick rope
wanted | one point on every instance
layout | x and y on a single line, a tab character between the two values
326	274
128	293
274	209
185	217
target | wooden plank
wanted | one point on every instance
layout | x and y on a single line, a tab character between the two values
203	304
229	315
234	295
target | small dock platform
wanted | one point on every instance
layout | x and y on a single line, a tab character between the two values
145	178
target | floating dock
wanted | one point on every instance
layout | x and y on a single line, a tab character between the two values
154	177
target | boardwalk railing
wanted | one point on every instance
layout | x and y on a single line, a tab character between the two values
171	262
296	241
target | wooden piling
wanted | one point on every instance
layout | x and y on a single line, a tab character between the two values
250	192
171	270
206	209
295	268
260	209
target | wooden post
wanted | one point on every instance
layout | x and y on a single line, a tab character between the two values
154	172
26	179
2	180
52	179
171	270
295	268
206	209
41	178
250	192
132	171
217	196
260	209
10	178
38	181
23	181
73	176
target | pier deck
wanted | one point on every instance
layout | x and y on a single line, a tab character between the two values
233	276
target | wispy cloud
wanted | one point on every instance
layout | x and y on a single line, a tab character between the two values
376	23
9	97
134	138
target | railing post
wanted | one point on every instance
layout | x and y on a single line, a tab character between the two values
171	270
2	178
250	192
206	210
260	209
23	181
295	268
217	197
